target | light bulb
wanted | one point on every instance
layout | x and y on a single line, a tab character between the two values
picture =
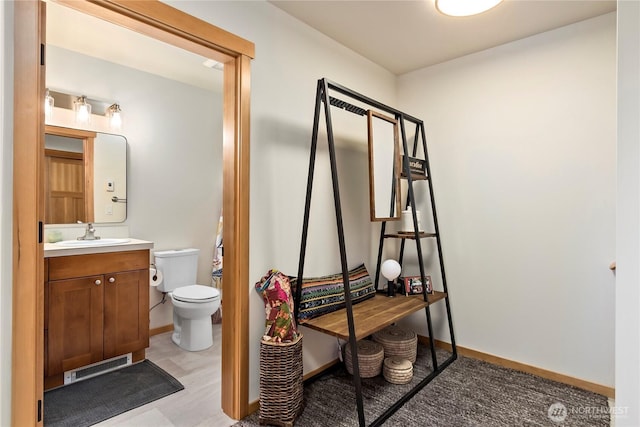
116	120
391	269
82	109
48	105
115	116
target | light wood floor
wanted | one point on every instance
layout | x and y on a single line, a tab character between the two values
198	405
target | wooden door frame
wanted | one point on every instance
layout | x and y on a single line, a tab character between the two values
172	26
88	139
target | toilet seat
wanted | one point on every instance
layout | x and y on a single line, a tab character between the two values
196	294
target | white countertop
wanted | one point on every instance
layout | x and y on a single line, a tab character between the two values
53	250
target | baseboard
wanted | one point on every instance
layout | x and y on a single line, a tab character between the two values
543	373
321	370
160	330
253	407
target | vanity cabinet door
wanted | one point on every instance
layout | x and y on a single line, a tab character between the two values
75	323
126	312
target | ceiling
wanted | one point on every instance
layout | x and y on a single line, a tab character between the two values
107	41
399	35
404	36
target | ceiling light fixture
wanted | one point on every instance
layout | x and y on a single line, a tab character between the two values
82	109
114	113
48	105
210	63
465	7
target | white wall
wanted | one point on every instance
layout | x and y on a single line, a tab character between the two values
627	373
174	134
6	197
290	58
522	149
108	158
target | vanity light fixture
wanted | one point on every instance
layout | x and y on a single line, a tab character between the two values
48	105
114	113
465	7
85	109
82	110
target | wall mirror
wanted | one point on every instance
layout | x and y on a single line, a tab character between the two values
384	167
85	176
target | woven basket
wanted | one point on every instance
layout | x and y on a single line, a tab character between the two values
398	342
397	370
281	391
370	358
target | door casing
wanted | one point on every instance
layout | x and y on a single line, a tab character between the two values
167	24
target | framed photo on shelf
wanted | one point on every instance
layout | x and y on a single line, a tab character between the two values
417	166
412	285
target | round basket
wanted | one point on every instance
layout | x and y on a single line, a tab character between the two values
398	342
281	389
397	370
370	358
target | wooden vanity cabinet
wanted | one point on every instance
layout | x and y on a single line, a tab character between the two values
96	308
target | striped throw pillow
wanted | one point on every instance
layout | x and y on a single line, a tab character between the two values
322	295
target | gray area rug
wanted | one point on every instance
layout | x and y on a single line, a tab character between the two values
96	399
467	393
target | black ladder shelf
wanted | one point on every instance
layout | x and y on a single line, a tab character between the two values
355	322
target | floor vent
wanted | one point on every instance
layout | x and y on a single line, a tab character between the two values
97	369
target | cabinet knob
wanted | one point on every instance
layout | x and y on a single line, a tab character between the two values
112	279
98	282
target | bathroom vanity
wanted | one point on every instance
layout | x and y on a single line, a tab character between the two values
96	305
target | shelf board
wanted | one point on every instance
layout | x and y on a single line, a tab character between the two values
410	235
371	315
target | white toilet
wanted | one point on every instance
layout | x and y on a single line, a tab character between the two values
193	304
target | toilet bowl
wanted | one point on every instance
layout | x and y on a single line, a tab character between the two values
192	309
193	304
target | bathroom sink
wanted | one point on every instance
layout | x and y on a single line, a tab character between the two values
90	243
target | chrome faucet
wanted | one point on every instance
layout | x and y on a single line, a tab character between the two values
89	233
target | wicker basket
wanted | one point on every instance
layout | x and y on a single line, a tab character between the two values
398	342
370	358
397	370
281	391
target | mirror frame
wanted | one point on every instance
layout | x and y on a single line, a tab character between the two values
89	139
395	186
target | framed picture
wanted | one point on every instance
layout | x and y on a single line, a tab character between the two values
417	166
412	285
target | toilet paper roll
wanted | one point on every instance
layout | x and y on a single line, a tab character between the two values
155	276
406	221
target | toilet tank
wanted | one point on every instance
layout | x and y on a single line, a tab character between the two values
178	266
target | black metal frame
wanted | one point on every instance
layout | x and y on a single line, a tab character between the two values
323	98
